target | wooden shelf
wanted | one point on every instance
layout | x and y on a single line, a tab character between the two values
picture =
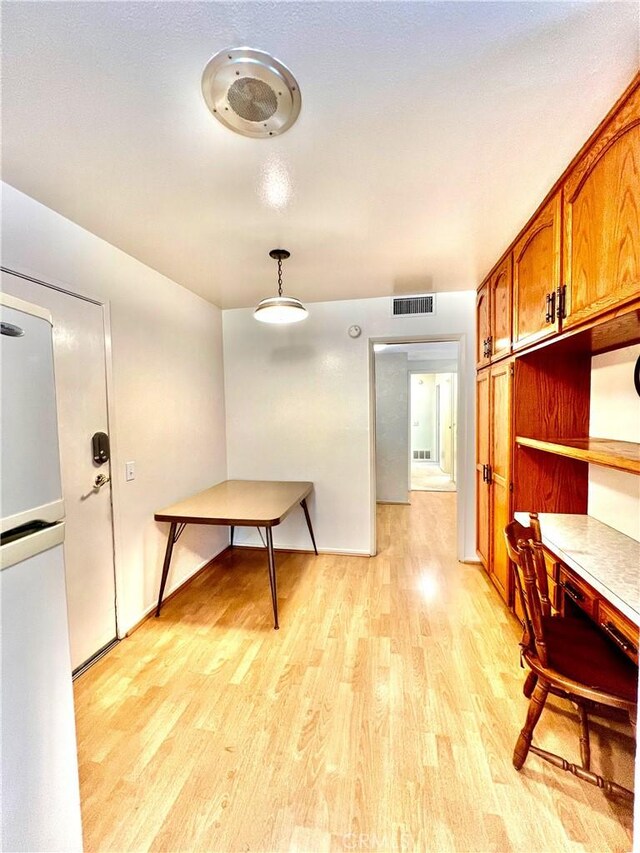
623	455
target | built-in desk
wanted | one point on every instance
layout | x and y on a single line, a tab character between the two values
598	569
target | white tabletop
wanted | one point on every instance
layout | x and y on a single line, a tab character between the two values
607	560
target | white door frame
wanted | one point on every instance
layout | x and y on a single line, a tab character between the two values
52	284
461	429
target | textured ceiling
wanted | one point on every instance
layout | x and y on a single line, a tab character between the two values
428	133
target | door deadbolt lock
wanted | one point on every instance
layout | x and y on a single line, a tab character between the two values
100	448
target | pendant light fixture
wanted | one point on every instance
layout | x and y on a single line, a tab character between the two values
280	309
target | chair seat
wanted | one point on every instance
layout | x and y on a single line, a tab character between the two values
578	650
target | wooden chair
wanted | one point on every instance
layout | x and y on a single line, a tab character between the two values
569	657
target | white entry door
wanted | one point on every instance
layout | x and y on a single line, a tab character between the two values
79	357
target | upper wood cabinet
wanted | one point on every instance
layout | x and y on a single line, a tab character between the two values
601	199
536	277
482	325
500	309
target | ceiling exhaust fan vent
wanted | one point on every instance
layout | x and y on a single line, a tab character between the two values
413	306
250	92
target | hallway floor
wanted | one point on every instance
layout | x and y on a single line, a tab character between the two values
382	716
429	477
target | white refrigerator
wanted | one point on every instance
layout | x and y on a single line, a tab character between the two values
40	806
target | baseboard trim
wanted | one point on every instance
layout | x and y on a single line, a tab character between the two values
339	552
176	589
394	503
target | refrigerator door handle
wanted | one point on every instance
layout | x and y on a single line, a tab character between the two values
28	546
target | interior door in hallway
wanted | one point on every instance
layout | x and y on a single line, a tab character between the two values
79	354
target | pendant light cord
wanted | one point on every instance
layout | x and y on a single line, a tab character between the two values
279	276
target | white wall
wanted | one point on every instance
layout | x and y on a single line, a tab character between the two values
614	496
423	412
298	407
392	433
168	395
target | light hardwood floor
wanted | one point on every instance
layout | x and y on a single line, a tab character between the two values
382	716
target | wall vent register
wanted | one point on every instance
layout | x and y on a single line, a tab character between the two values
422	454
413	306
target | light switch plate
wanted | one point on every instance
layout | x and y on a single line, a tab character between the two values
130	470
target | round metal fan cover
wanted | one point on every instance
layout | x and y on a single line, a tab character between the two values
251	92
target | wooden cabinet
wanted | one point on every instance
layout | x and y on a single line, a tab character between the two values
601	202
482	325
483	414
536	277
493	315
493	471
500	310
500	474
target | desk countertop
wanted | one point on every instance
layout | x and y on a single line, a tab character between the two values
605	558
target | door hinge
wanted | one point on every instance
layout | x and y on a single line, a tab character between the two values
562	302
511	370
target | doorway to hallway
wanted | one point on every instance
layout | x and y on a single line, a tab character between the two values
432	450
416	404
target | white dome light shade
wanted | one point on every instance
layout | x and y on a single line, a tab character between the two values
281	310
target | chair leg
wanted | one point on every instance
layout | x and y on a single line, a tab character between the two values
529	684
538	698
585	748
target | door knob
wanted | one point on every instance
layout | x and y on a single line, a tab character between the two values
100	481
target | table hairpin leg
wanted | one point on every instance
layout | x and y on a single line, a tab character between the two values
175	531
303	504
272	576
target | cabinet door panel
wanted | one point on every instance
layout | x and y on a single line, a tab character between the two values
483	521
500	474
500	309
536	275
482	324
602	219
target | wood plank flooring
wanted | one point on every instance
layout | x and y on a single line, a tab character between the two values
382	716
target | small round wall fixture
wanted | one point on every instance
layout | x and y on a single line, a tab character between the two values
251	92
354	331
280	309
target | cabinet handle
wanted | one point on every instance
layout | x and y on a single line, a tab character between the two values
550	316
562	301
618	637
571	591
488	480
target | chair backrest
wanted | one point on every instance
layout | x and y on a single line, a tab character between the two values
525	551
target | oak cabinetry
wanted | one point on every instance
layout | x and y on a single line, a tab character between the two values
623	633
493	471
601	203
568	288
483	355
500	475
483	451
500	310
536	277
